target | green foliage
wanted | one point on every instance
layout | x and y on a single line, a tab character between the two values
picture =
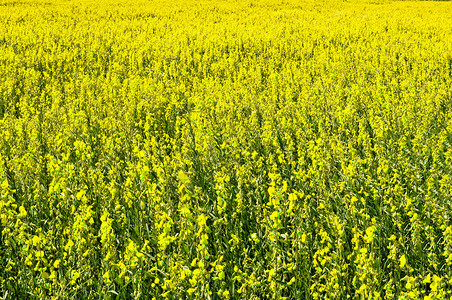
225	150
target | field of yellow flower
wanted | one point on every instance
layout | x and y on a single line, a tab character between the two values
223	149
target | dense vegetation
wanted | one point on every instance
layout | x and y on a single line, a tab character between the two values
225	149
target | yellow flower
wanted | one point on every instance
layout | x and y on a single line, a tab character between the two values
190	291
36	240
56	263
23	212
402	261
39	254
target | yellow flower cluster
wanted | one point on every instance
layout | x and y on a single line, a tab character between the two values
216	149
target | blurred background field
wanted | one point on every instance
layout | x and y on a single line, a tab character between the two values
225	149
